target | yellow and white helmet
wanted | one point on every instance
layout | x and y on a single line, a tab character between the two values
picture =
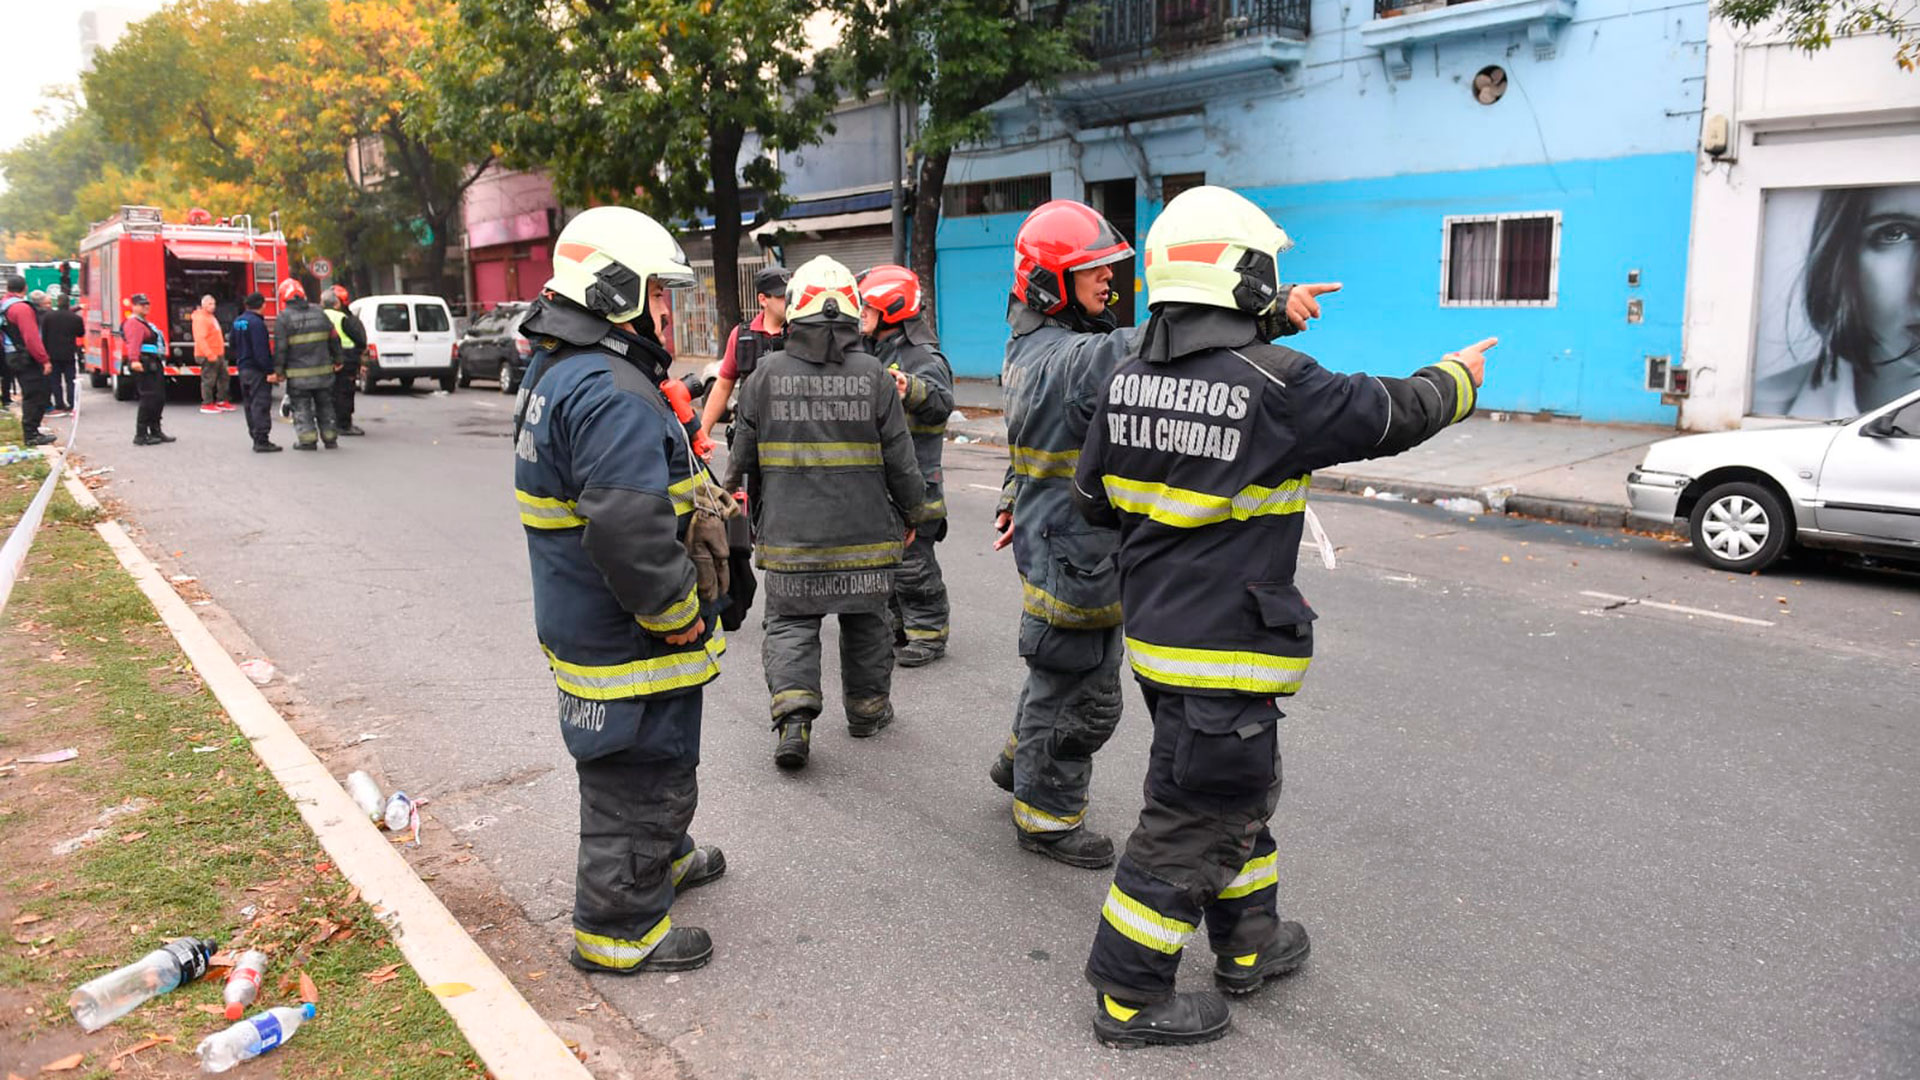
604	258
1213	246
823	288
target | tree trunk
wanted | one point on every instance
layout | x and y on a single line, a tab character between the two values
723	163
929	186
435	264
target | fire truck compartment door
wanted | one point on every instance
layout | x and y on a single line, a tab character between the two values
210	251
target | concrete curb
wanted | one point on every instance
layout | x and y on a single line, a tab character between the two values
512	1040
1498	500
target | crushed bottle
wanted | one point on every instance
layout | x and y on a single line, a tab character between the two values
243	982
117	993
251	1037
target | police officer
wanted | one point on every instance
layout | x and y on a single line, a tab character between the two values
1200	453
751	340
821	442
307	353
353	344
146	353
605	477
906	346
27	356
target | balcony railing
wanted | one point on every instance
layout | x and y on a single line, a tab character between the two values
1142	27
1387	9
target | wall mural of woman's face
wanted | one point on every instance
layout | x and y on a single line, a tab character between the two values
1889	254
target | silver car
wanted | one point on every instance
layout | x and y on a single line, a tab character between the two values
1749	496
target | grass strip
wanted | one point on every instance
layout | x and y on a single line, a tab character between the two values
217	851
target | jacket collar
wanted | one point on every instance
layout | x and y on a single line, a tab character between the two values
1178	330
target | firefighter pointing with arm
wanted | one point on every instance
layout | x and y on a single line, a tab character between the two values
1200	454
605	479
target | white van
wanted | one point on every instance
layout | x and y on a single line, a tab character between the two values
408	337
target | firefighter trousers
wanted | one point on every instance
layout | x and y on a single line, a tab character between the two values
635	807
345	382
1068	709
1202	850
919	601
790	652
151	386
313	414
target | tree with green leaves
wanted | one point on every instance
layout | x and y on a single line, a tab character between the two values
1813	24
953	58
643	101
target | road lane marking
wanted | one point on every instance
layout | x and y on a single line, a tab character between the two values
1625	600
983	487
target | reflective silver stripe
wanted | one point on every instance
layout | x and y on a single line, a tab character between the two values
1143	925
1033	819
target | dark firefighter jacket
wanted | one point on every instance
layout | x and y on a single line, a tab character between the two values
1054	377
822	444
929	401
1201	453
304	346
605	480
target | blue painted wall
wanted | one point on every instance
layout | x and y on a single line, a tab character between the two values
1361	168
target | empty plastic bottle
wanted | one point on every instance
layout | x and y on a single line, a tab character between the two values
366	794
251	1037
117	993
243	982
401	813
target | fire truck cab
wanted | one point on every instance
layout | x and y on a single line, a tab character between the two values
135	251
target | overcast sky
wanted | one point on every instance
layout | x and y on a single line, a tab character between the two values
43	49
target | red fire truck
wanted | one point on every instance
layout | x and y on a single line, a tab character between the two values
135	251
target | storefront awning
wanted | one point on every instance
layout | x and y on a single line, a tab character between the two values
209	251
859	219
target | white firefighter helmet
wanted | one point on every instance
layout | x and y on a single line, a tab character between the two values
822	287
1213	246
604	258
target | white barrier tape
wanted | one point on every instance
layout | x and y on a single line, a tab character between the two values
13	555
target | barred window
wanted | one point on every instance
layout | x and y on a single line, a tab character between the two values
1500	260
1012	195
1174	183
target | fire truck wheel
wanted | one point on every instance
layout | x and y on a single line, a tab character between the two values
98	379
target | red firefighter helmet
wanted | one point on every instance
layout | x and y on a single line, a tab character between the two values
1058	238
892	290
289	289
340	293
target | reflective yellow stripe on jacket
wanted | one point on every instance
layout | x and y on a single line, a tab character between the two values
682	494
1463	385
674	619
309	337
1217	669
1044	464
639	678
843	557
1185	509
309	372
821	455
540	512
1054	611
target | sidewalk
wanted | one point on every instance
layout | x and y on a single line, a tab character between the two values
1563	470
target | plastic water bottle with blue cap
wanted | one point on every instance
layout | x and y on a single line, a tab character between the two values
251	1037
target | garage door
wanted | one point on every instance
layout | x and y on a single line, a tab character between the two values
855	249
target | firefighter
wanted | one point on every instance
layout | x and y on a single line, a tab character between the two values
906	346
353	345
1200	453
606	478
146	352
307	353
821	443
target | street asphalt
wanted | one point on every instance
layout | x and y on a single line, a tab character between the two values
1536	825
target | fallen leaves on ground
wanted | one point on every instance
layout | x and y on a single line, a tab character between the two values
385	974
65	1064
29	917
148	1044
308	992
450	989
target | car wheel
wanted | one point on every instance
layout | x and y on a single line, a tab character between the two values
460	365
506	377
447	382
406	382
366	379
1740	526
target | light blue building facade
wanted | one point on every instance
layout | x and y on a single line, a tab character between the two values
1520	169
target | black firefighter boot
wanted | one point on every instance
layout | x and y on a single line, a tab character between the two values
867	718
701	865
1238	975
1076	847
682	949
796	738
1181	1020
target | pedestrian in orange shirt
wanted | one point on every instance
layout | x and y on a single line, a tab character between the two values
210	352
